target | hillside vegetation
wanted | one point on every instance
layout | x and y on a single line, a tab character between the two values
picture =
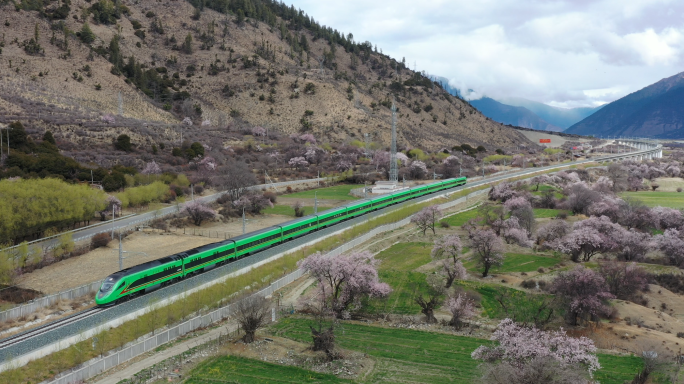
72	66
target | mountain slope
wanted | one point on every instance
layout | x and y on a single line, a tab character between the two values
560	117
654	111
160	62
506	114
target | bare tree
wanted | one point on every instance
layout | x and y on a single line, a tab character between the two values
251	313
427	217
434	298
237	177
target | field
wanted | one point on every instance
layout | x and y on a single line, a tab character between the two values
396	269
240	370
459	219
541	213
287	210
338	192
426	357
517	262
654	199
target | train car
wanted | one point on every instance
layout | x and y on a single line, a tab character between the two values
299	227
206	257
382	201
331	216
359	207
254	241
148	276
139	279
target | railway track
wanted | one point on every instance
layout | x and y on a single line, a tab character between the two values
21	337
71	325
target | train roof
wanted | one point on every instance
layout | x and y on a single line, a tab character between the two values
149	264
254	233
295	221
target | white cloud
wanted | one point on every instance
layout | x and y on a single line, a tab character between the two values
565	53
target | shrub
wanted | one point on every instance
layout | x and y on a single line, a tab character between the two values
271	196
444	224
100	240
123	143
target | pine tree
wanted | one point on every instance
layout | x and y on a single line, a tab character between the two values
87	36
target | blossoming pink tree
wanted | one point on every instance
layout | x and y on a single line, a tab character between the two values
519	345
672	245
667	217
623	279
489	249
553	230
427	218
583	292
151	168
633	245
113	204
344	280
589	237
298	162
108	119
449	247
258	131
461	307
512	232
307	138
199	211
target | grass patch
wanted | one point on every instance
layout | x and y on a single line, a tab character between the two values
517	262
396	269
459	219
286	210
240	370
406	286
541	213
405	256
337	192
654	199
408	356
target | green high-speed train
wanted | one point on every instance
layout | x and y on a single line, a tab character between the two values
142	278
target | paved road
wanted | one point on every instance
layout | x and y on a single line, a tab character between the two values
127	221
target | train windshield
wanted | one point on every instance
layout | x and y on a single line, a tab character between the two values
107	284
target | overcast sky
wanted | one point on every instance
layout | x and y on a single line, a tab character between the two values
563	53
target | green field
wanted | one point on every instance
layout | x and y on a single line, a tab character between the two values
338	192
396	269
540	213
517	262
654	199
235	369
459	219
409	356
287	210
405	256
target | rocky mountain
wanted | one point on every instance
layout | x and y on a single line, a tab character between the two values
507	114
654	111
560	117
90	70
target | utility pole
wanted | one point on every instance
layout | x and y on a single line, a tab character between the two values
364	190
394	171
315	202
113	208
243	220
120	253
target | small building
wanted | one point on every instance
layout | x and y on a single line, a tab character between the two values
383	187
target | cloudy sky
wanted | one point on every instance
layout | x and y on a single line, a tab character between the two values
563	53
